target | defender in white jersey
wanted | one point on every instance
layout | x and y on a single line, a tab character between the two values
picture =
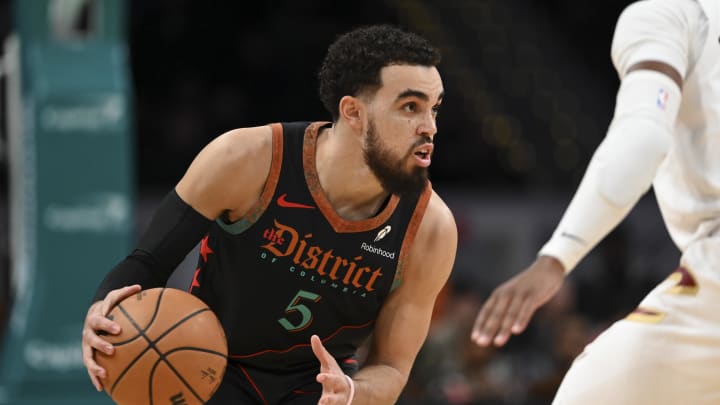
666	133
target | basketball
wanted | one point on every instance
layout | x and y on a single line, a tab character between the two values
171	350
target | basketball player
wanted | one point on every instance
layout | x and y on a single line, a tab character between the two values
665	132
315	236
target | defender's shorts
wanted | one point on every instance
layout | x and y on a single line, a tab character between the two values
665	352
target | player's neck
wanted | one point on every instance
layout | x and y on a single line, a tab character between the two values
348	183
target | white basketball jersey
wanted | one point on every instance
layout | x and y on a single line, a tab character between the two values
687	184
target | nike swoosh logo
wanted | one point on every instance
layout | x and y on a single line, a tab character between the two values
282	202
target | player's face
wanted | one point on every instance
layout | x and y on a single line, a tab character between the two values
401	127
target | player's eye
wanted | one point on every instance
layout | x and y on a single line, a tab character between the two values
410	107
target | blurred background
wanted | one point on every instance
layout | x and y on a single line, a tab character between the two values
106	102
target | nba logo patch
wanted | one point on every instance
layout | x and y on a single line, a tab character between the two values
662	99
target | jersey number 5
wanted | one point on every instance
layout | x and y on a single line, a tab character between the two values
296	306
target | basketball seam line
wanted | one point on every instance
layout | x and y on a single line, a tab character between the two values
151	344
141	333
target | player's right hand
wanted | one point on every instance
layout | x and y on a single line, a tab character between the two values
336	388
512	304
96	321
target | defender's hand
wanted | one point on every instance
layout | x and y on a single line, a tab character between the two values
95	321
512	304
336	387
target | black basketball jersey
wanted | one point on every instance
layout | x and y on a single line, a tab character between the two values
293	267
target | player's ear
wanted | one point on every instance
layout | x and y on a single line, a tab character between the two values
352	110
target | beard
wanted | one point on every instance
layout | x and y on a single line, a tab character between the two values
391	170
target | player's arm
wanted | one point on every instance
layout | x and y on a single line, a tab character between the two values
650	54
227	176
620	172
404	319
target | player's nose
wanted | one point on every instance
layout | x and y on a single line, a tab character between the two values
428	126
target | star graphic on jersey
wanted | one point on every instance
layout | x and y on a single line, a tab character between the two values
205	249
195	282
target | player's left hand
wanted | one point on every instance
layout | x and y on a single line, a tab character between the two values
509	309
336	387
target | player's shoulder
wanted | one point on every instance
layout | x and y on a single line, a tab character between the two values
211	183
658	30
242	140
433	250
438	218
439	209
659	14
239	147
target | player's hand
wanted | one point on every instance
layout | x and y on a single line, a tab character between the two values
96	321
336	387
512	304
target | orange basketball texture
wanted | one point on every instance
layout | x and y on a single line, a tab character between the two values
172	349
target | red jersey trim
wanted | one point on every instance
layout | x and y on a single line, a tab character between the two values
412	229
291	348
273	178
255	387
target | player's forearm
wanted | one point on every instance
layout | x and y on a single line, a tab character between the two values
623	167
378	385
137	268
174	230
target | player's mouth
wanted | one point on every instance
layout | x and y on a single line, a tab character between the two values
422	154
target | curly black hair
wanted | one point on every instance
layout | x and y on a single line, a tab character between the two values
353	62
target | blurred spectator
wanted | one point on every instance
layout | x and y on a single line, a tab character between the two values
450	369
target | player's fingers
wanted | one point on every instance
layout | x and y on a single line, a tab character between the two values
95	381
320	352
508	320
492	318
335	388
526	311
335	382
88	357
478	331
104	324
115	296
328	400
93	369
92	341
331	400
